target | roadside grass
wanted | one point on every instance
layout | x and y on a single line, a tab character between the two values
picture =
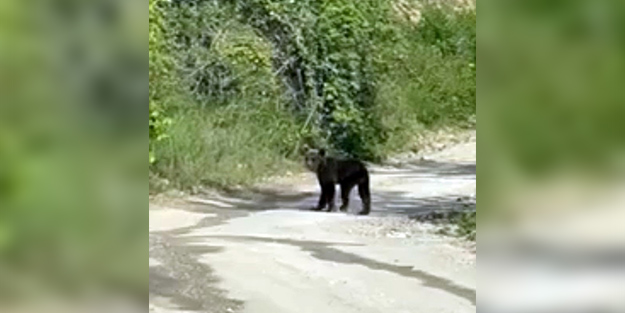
225	146
460	224
467	226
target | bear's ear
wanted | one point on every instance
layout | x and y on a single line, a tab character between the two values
305	148
322	152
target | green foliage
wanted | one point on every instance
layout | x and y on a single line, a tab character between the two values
157	125
224	147
219	61
467	225
447	76
431	76
325	51
246	83
159	77
229	125
348	77
451	32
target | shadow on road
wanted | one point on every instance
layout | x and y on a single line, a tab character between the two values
183	281
192	285
428	168
402	204
385	203
326	252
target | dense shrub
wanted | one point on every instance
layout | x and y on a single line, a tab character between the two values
246	83
324	54
229	122
159	77
431	76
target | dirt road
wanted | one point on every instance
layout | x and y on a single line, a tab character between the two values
263	253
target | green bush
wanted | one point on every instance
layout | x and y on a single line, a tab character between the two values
159	78
246	83
467	225
229	125
431	76
325	53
